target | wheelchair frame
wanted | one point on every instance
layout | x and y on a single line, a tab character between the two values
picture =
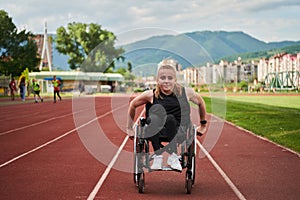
142	157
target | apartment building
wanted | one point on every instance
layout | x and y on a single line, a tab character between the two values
282	71
224	72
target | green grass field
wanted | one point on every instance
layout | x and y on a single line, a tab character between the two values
274	117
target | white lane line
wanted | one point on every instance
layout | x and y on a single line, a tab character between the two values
37	123
55	139
37	148
107	170
225	177
110	165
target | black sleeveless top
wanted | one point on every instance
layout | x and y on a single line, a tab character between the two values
178	106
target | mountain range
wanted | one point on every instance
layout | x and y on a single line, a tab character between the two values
191	49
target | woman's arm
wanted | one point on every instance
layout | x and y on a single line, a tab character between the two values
198	100
141	99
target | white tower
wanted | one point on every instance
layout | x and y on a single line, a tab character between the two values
46	50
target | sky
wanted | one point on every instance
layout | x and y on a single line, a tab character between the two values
266	20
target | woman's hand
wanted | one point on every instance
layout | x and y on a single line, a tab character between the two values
201	129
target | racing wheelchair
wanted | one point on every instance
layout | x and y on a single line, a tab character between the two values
143	157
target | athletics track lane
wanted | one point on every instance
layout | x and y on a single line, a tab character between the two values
64	169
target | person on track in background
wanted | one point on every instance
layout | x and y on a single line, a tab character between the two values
36	91
168	109
56	84
22	86
13	88
28	88
81	87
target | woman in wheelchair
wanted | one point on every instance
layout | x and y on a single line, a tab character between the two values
167	113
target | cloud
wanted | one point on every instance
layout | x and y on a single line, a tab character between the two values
256	16
274	5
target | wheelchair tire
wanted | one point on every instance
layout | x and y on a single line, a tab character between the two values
191	171
135	174
188	185
192	164
190	175
141	183
137	164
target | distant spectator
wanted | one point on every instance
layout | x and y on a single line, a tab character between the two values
29	89
22	86
13	88
56	84
81	87
36	91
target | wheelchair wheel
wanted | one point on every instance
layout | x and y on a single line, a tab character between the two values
190	175
136	165
140	159
192	162
141	149
135	174
141	182
191	165
188	185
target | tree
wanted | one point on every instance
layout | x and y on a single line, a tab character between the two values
18	51
88	46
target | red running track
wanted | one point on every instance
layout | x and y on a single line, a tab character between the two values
63	150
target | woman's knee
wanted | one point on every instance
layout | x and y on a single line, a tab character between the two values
155	125
171	120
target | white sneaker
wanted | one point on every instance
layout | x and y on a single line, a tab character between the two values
173	161
157	162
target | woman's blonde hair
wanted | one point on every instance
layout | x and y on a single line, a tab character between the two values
169	64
